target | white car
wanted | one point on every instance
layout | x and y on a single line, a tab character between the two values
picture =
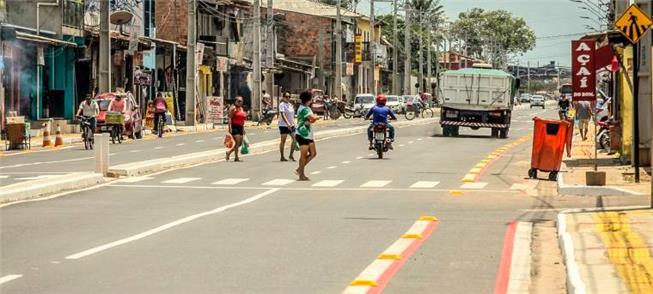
364	101
537	100
393	103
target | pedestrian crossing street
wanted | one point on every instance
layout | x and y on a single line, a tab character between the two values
283	182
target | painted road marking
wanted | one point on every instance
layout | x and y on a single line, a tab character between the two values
37	177
401	145
475	171
278	182
134	151
199	141
3	177
47	162
503	275
520	264
359	157
8	278
469	178
316	172
180	180
332	167
346	162
375	184
328	183
169	226
411	142
477	185
135	179
379	273
419	139
456	193
158	147
424	184
230	181
181	144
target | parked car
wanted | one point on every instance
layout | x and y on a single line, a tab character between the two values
393	103
133	118
525	98
537	100
364	101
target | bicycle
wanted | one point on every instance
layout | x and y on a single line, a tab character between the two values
116	121
159	126
87	132
417	110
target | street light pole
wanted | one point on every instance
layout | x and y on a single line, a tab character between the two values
407	49
338	80
256	59
372	81
395	63
190	63
105	49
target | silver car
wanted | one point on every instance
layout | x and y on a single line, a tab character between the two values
537	100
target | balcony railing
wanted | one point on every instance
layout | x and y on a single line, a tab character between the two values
73	13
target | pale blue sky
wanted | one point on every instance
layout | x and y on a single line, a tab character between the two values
546	17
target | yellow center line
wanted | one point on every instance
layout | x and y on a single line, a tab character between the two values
626	250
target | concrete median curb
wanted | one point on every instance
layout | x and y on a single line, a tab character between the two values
160	164
575	284
46	186
582	190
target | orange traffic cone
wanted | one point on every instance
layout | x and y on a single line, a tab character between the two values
47	142
58	139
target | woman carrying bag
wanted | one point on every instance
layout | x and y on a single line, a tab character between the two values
237	118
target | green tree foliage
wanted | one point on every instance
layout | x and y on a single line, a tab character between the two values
493	35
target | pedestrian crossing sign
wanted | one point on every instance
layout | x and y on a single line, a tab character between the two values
633	23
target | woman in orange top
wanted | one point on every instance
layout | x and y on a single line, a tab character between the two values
237	118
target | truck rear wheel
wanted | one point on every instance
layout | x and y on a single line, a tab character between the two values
455	131
503	133
495	133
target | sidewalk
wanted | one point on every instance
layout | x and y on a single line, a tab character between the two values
608	251
620	178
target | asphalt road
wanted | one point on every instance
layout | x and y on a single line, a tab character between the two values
73	158
251	228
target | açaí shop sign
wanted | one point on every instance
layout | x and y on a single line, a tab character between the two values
583	78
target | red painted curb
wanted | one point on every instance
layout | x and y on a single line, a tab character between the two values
503	275
390	272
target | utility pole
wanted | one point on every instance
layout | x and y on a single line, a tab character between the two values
269	82
105	48
528	76
428	60
421	53
407	49
338	80
256	59
190	64
371	81
395	63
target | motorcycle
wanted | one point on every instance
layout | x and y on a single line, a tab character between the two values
332	110
603	137
354	111
266	116
381	142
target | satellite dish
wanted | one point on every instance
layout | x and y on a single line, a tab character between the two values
121	17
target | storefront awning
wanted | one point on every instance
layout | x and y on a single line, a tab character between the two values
41	39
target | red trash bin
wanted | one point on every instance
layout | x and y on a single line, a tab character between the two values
549	140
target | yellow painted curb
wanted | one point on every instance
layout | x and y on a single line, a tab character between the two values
486	161
428	218
389	256
456	193
469	178
480	165
491	156
364	283
411	236
475	171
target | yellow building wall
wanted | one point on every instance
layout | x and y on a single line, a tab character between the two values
626	103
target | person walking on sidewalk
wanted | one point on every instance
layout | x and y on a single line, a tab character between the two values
304	136
583	115
286	126
237	118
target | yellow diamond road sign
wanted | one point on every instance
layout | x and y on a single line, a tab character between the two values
633	23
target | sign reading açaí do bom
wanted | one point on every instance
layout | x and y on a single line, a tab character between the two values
583	72
214	109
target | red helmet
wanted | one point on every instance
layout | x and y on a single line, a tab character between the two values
381	100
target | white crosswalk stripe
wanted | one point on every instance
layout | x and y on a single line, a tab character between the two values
278	182
158	147
476	185
424	184
328	183
135	179
231	181
375	184
3	177
180	180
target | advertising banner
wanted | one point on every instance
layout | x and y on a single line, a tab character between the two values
583	72
214	109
